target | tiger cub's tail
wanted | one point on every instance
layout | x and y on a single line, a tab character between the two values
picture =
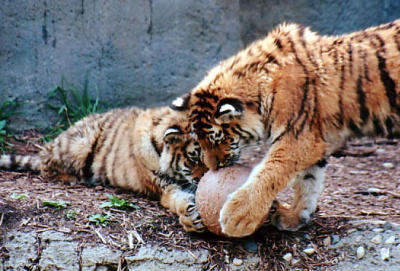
20	162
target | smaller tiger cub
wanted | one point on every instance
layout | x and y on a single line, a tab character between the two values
146	151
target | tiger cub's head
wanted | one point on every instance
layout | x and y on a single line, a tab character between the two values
228	128
180	155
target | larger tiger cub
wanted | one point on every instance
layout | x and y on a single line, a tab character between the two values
146	151
302	95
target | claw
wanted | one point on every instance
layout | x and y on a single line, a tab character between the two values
190	208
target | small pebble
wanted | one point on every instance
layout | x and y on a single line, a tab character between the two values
378	230
327	241
226	258
309	251
390	240
377	239
237	261
358	239
351	231
380	151
335	239
288	257
295	261
307	236
360	252
387	225
250	245
385	253
388	165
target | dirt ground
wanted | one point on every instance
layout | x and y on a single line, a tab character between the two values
363	182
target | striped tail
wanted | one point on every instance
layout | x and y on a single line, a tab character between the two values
20	162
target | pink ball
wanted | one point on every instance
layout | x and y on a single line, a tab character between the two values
213	190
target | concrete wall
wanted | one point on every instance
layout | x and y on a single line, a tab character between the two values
145	52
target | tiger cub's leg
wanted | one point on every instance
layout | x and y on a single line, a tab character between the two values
183	204
308	187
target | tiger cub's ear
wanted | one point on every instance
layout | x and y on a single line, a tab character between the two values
181	103
173	135
229	109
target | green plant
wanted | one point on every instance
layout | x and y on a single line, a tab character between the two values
72	104
7	109
117	203
18	196
100	219
55	204
71	214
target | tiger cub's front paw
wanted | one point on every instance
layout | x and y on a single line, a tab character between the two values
190	219
242	213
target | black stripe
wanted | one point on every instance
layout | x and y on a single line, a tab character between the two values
308	177
279	137
390	86
322	163
203	94
389	126
341	86
86	170
364	112
356	130
110	124
278	43
335	57
363	54
13	164
350	52
155	146
196	114
396	37
305	87
378	129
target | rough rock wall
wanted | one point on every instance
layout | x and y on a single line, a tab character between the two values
145	52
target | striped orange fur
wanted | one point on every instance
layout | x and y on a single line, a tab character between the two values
147	151
299	96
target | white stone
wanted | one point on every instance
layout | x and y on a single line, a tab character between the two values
377	239
309	251
358	239
226	258
385	253
295	261
237	261
378	230
288	257
360	252
380	151
388	165
327	241
390	240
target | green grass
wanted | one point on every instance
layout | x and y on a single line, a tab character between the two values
18	196
55	204
100	219
71	105
114	202
71	214
7	109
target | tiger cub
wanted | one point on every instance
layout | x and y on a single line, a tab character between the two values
302	95
146	151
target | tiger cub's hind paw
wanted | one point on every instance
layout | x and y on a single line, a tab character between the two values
286	219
